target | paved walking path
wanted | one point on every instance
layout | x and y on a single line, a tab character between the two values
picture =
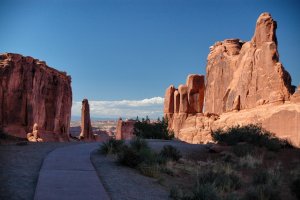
67	173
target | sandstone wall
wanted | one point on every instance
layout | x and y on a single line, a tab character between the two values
245	84
31	92
243	75
125	129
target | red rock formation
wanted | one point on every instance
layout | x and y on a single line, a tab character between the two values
195	84
31	92
296	96
86	127
183	103
249	73
125	129
245	84
169	101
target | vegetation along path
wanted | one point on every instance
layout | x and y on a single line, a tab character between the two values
67	173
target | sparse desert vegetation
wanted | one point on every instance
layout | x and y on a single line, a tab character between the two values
244	167
156	130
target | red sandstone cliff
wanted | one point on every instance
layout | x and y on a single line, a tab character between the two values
31	92
245	83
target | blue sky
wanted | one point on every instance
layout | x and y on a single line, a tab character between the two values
133	50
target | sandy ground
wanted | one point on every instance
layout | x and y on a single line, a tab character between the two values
126	183
19	168
20	165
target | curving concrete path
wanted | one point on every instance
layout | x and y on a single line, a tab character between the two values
67	173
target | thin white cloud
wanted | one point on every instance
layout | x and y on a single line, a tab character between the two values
152	107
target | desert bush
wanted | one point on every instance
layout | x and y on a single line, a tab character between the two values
149	170
112	146
170	153
129	157
136	153
271	176
138	144
224	178
176	193
232	196
157	130
251	134
260	177
262	192
250	161
241	150
205	192
295	186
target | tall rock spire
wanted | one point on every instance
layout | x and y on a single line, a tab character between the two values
86	127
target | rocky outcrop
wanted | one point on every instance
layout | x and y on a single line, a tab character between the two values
196	87
188	100
35	135
296	96
246	74
33	93
245	83
86	127
125	129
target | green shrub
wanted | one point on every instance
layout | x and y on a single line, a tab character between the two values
149	170
138	152
232	196
251	134
270	176
205	192
112	146
262	192
250	161
176	193
260	177
243	149
157	130
138	144
223	180
295	187
129	157
170	153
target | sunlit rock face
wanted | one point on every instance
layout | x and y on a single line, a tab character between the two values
245	83
242	75
33	93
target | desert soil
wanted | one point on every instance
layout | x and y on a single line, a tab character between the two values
127	183
19	168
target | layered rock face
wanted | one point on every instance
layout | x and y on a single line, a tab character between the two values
243	75
86	126
245	83
31	92
125	129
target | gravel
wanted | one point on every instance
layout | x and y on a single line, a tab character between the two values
127	183
19	168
